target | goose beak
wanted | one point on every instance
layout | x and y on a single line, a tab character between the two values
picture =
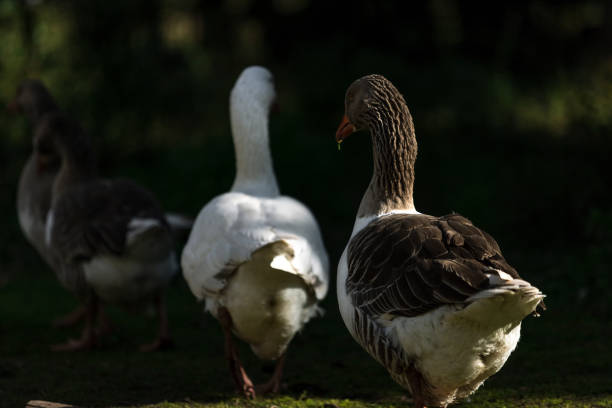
344	130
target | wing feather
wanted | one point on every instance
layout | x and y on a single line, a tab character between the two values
409	264
93	218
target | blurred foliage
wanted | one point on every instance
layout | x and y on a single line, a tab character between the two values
512	104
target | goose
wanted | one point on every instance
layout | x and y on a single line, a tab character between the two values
432	299
110	238
255	257
35	101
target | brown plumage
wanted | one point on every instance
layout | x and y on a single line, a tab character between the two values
92	218
430	298
407	265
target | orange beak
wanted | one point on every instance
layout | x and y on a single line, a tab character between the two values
344	130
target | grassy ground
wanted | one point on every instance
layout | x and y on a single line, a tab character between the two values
563	360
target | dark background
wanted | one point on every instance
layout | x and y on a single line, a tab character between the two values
512	104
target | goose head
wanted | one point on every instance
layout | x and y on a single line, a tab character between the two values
369	101
33	99
372	103
250	103
253	91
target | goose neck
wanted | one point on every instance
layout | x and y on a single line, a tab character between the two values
254	169
394	152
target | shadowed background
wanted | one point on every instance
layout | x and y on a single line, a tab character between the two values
512	105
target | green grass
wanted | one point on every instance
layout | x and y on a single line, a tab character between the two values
563	360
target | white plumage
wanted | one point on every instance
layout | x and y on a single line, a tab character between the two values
233	226
253	252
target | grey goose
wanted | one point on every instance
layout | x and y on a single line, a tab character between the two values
35	101
432	299
110	238
34	190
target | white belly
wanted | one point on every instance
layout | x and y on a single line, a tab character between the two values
268	307
122	280
454	354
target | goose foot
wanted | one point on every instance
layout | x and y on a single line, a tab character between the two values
273	385
84	343
89	337
71	318
243	383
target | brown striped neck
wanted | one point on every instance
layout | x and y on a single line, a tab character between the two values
394	149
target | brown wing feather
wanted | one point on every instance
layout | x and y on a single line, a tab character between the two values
410	264
93	218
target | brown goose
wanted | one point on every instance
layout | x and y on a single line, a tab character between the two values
34	190
111	238
432	299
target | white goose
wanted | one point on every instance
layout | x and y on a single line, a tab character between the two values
255	257
430	298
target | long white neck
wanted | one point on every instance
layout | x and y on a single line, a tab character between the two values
254	171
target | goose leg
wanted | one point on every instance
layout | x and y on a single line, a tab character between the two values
416	387
104	326
71	318
88	337
273	385
239	375
163	341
